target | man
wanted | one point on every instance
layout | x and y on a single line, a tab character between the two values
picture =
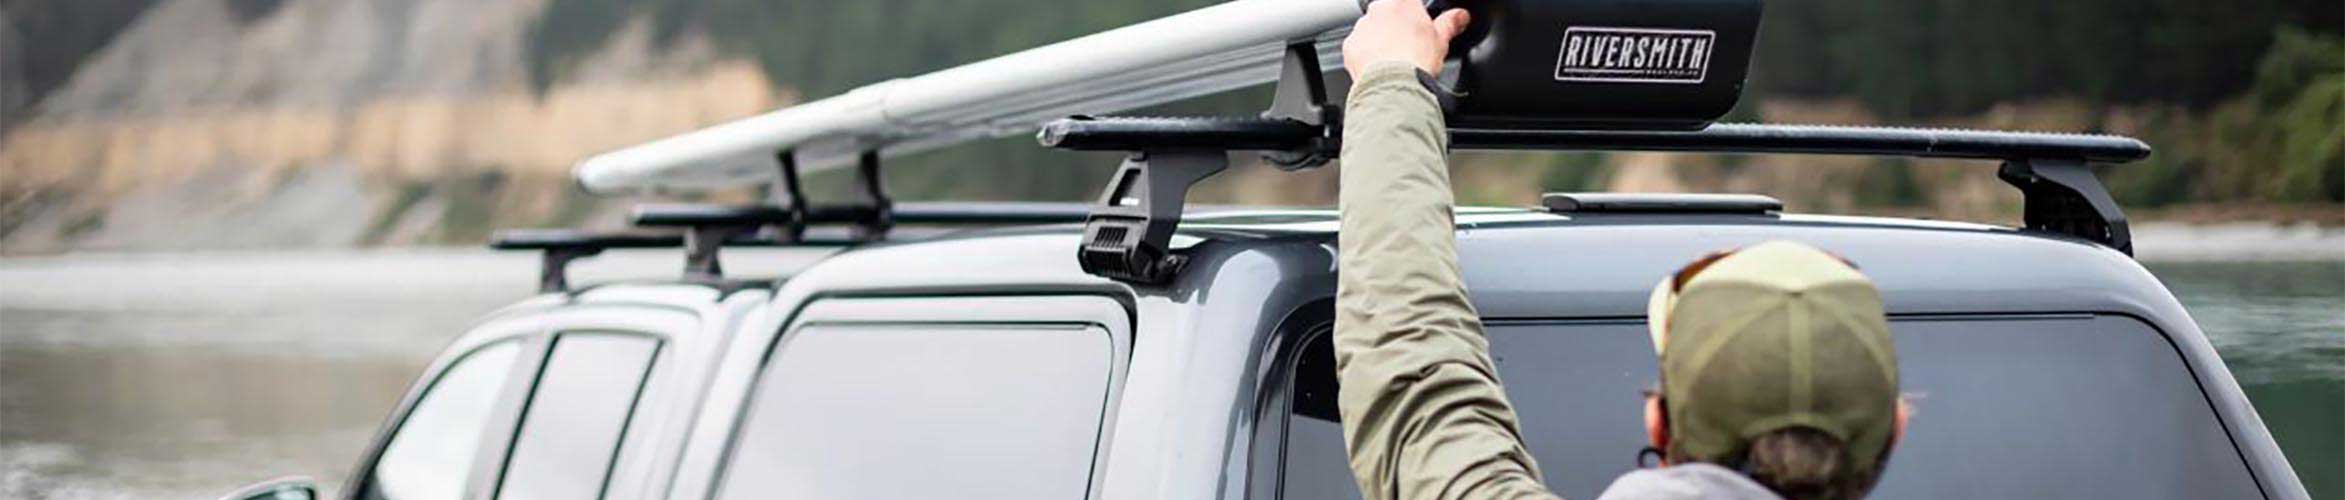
1779	380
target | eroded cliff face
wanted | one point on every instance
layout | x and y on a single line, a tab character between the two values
340	123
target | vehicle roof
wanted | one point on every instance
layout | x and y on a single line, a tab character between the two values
1530	263
1248	271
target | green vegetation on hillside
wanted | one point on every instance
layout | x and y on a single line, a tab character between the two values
55	36
2282	141
1919	58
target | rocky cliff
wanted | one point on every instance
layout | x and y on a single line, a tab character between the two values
338	123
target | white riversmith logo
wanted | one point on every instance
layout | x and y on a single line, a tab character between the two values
1634	55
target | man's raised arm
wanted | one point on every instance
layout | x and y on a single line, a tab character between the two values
1423	414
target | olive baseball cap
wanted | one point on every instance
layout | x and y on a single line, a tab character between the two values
1773	336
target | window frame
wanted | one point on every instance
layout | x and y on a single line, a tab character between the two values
535	330
1104	312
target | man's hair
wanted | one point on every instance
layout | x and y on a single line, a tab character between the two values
1801	463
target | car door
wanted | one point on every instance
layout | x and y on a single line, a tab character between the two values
531	405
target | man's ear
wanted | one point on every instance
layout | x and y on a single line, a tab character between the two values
1657	424
1904	413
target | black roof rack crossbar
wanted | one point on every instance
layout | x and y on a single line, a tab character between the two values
915	213
561	246
870	222
560	239
983	213
782	218
1269	134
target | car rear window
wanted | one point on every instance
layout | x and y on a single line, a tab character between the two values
2012	407
925	411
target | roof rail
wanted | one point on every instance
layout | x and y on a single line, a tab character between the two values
1659	203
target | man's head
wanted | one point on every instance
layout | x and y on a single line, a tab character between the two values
1776	360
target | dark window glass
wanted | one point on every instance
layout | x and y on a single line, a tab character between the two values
432	453
850	412
575	419
2082	407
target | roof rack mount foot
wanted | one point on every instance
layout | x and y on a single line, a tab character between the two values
701	245
2063	196
553	271
1128	236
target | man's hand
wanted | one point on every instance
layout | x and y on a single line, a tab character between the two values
1399	30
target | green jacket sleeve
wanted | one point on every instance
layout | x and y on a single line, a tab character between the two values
1423	413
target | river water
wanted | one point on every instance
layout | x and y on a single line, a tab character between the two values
187	375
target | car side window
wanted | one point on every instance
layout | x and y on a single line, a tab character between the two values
925	411
433	449
2070	391
571	431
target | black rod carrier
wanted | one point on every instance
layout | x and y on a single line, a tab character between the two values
709	228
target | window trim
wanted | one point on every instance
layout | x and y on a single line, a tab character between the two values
1090	310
